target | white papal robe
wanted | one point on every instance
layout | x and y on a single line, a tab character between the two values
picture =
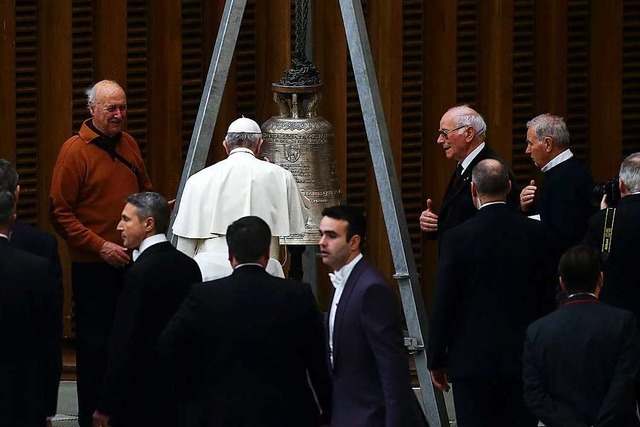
238	186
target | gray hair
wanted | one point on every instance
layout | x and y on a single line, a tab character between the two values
491	177
91	92
7	207
150	204
630	172
8	177
467	116
548	125
242	139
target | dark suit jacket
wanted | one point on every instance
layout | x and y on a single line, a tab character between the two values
371	385
457	205
37	242
495	277
239	350
621	279
565	202
580	364
133	392
28	329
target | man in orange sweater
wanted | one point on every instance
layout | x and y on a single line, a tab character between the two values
96	170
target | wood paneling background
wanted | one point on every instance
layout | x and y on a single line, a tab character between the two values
511	59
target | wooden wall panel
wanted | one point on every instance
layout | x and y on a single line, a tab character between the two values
164	107
82	57
466	52
577	117
412	118
442	55
605	65
8	81
137	71
495	72
26	81
631	77
524	72
110	40
383	21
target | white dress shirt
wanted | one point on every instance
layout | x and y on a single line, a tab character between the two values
472	155
146	243
338	279
562	157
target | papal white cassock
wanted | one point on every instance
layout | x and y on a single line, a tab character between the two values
238	186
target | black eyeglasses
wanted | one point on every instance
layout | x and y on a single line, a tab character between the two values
445	132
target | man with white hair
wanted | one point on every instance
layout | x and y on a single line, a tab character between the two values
240	185
94	173
462	136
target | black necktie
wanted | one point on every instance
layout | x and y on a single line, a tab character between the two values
456	181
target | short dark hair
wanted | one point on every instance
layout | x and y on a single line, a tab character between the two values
248	239
356	221
150	204
8	176
7	206
580	267
490	177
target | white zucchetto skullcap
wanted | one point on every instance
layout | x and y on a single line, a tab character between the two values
244	125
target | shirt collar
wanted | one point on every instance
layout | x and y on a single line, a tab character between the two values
4	236
152	240
562	157
344	272
242	150
499	202
249	263
472	155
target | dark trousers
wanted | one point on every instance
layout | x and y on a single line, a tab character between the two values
96	288
489	401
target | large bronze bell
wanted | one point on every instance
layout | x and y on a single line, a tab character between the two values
302	142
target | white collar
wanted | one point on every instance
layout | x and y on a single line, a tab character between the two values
583	293
562	157
249	263
499	202
4	235
344	272
242	150
472	155
151	240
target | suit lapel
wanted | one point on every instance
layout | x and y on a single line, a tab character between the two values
341	309
454	190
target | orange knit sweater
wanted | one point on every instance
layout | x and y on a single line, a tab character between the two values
88	192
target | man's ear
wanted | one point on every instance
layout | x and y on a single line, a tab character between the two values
548	143
623	188
562	283
259	147
150	224
474	190
226	146
16	194
355	242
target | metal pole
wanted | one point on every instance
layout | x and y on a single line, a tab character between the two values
389	189
211	97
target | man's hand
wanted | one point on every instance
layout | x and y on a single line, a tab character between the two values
527	196
100	419
428	219
604	203
114	255
440	378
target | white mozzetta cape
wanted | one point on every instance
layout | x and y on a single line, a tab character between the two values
238	186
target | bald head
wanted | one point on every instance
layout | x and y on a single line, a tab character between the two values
491	178
107	103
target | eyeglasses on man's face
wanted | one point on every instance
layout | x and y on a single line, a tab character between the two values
446	132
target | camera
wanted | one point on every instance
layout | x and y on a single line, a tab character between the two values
611	188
